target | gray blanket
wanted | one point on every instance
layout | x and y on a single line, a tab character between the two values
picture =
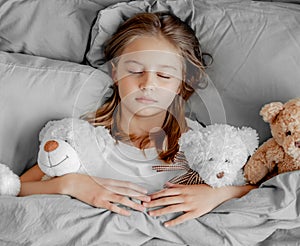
268	215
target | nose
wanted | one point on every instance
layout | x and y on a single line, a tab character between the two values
297	144
50	146
148	82
220	175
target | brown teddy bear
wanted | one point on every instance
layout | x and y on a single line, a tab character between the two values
281	153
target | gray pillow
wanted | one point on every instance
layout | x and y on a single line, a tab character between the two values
55	29
255	47
34	90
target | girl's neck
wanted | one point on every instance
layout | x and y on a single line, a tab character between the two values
141	126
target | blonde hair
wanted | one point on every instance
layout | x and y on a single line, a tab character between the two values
183	38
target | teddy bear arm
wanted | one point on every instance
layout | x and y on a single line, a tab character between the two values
288	164
256	168
274	152
270	153
263	161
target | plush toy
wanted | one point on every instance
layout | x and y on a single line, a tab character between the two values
214	155
56	157
281	153
9	182
58	148
58	154
71	145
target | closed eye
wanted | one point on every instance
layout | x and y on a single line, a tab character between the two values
164	76
135	72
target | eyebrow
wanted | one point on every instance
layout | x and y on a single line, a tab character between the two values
162	66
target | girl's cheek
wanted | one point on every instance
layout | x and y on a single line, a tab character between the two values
168	97
172	88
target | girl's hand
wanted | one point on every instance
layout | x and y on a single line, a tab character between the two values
101	192
193	200
98	192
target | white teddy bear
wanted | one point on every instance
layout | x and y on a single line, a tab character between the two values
57	155
60	143
214	155
70	145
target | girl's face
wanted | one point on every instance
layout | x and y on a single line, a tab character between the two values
148	74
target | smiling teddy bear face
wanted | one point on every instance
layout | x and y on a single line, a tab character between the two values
57	157
285	128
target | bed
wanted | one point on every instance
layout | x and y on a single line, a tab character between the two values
52	67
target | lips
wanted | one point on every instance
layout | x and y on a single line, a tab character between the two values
145	100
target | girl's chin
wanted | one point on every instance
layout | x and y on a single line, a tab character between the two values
142	110
149	112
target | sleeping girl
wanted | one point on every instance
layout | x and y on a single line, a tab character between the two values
155	62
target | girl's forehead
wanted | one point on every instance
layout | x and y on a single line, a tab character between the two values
152	53
158	42
152	58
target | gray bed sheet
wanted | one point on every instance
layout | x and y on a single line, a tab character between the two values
268	215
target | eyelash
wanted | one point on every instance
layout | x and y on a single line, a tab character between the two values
164	76
159	75
132	72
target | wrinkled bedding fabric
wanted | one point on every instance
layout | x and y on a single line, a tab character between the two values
265	216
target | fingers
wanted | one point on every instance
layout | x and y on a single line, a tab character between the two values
104	193
114	208
110	201
128	192
167	210
142	198
165	192
127	202
124	188
164	201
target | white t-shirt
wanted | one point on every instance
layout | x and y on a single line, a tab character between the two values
121	161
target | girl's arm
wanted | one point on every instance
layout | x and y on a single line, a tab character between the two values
31	183
97	192
33	174
194	200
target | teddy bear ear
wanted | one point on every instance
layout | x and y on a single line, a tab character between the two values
45	129
270	111
250	138
294	101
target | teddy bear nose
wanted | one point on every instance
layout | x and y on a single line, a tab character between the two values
50	145
297	144
220	175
